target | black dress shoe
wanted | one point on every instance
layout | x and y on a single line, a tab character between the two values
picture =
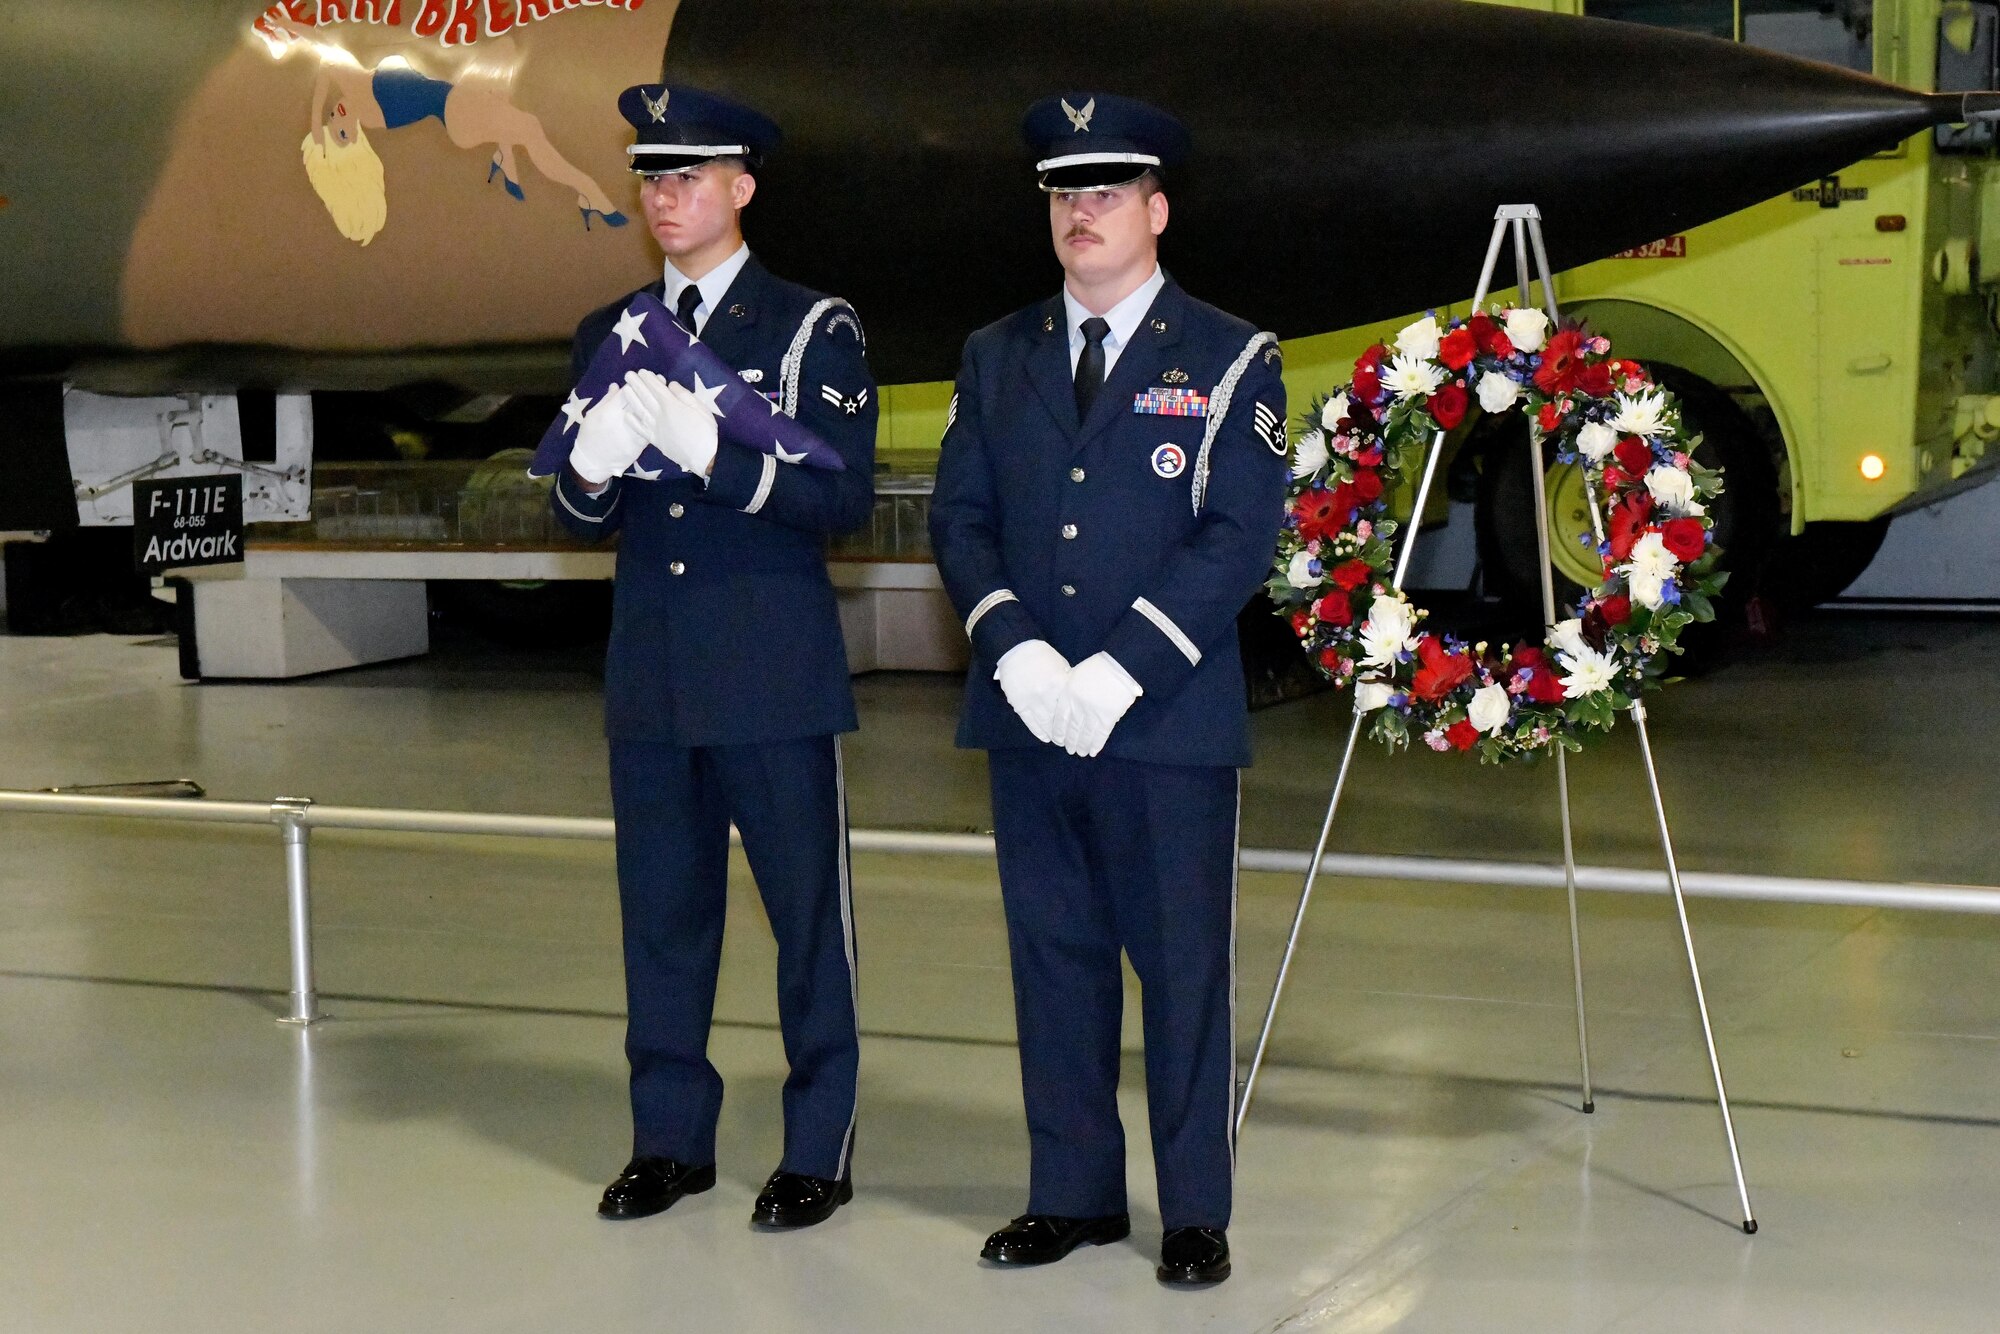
1194	1255
791	1199
648	1186
1039	1239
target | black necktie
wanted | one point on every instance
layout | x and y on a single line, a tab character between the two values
690	298
1090	366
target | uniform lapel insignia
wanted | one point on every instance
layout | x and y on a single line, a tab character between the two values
1049	324
1159	326
1175	376
737	311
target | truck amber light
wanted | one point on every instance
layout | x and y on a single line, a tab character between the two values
1872	467
1891	222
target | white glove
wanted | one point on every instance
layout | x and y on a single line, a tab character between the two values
1098	694
606	445
1032	675
670	418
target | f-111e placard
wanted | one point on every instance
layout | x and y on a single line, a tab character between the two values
187	521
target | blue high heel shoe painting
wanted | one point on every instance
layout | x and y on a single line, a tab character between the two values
513	188
612	219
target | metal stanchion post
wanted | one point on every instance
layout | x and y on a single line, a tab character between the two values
289	813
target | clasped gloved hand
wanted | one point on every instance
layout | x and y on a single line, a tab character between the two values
606	443
1032	675
671	419
1098	694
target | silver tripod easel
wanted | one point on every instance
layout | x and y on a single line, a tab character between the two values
1524	221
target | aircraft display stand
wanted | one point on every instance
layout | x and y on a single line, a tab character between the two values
1523	222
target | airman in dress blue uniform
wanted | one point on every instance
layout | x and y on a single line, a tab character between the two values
726	681
1110	488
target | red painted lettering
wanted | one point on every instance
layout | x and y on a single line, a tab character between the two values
430	19
464	26
499	17
533	11
302	12
332	11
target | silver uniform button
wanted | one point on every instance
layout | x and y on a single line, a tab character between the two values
1069	531
677	568
1076	474
1069	590
676	509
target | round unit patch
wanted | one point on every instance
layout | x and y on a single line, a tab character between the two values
1169	460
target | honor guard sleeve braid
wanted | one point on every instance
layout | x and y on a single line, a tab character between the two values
1189	607
965	531
836	401
592	518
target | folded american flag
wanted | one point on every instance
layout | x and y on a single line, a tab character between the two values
648	337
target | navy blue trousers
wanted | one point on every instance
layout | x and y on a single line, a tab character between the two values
1097	856
673	807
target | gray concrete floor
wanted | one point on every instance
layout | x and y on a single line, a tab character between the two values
429	1158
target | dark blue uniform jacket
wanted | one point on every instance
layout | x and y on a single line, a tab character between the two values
725	629
1140	533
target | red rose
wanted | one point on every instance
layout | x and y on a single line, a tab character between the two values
1370	457
1615	477
1441	671
1561	363
1490	337
1628	519
1595	381
1350	575
1367	383
1334	609
1457	348
1549	418
1462	735
1331	662
1448	405
1301	621
1617	609
1367	485
1634	457
1685	538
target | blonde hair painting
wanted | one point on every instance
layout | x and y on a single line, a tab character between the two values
348	180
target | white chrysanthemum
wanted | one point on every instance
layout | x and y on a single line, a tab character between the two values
1527	330
1420	339
1650	557
1299	572
1386	632
1409	377
1370	696
1586	672
1489	709
1497	392
1641	414
1596	440
1334	413
1309	454
1673	491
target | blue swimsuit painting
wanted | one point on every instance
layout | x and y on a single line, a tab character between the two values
407	97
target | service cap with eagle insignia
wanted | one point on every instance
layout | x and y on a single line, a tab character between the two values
1100	141
681	127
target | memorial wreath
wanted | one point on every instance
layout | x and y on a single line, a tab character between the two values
1606	416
